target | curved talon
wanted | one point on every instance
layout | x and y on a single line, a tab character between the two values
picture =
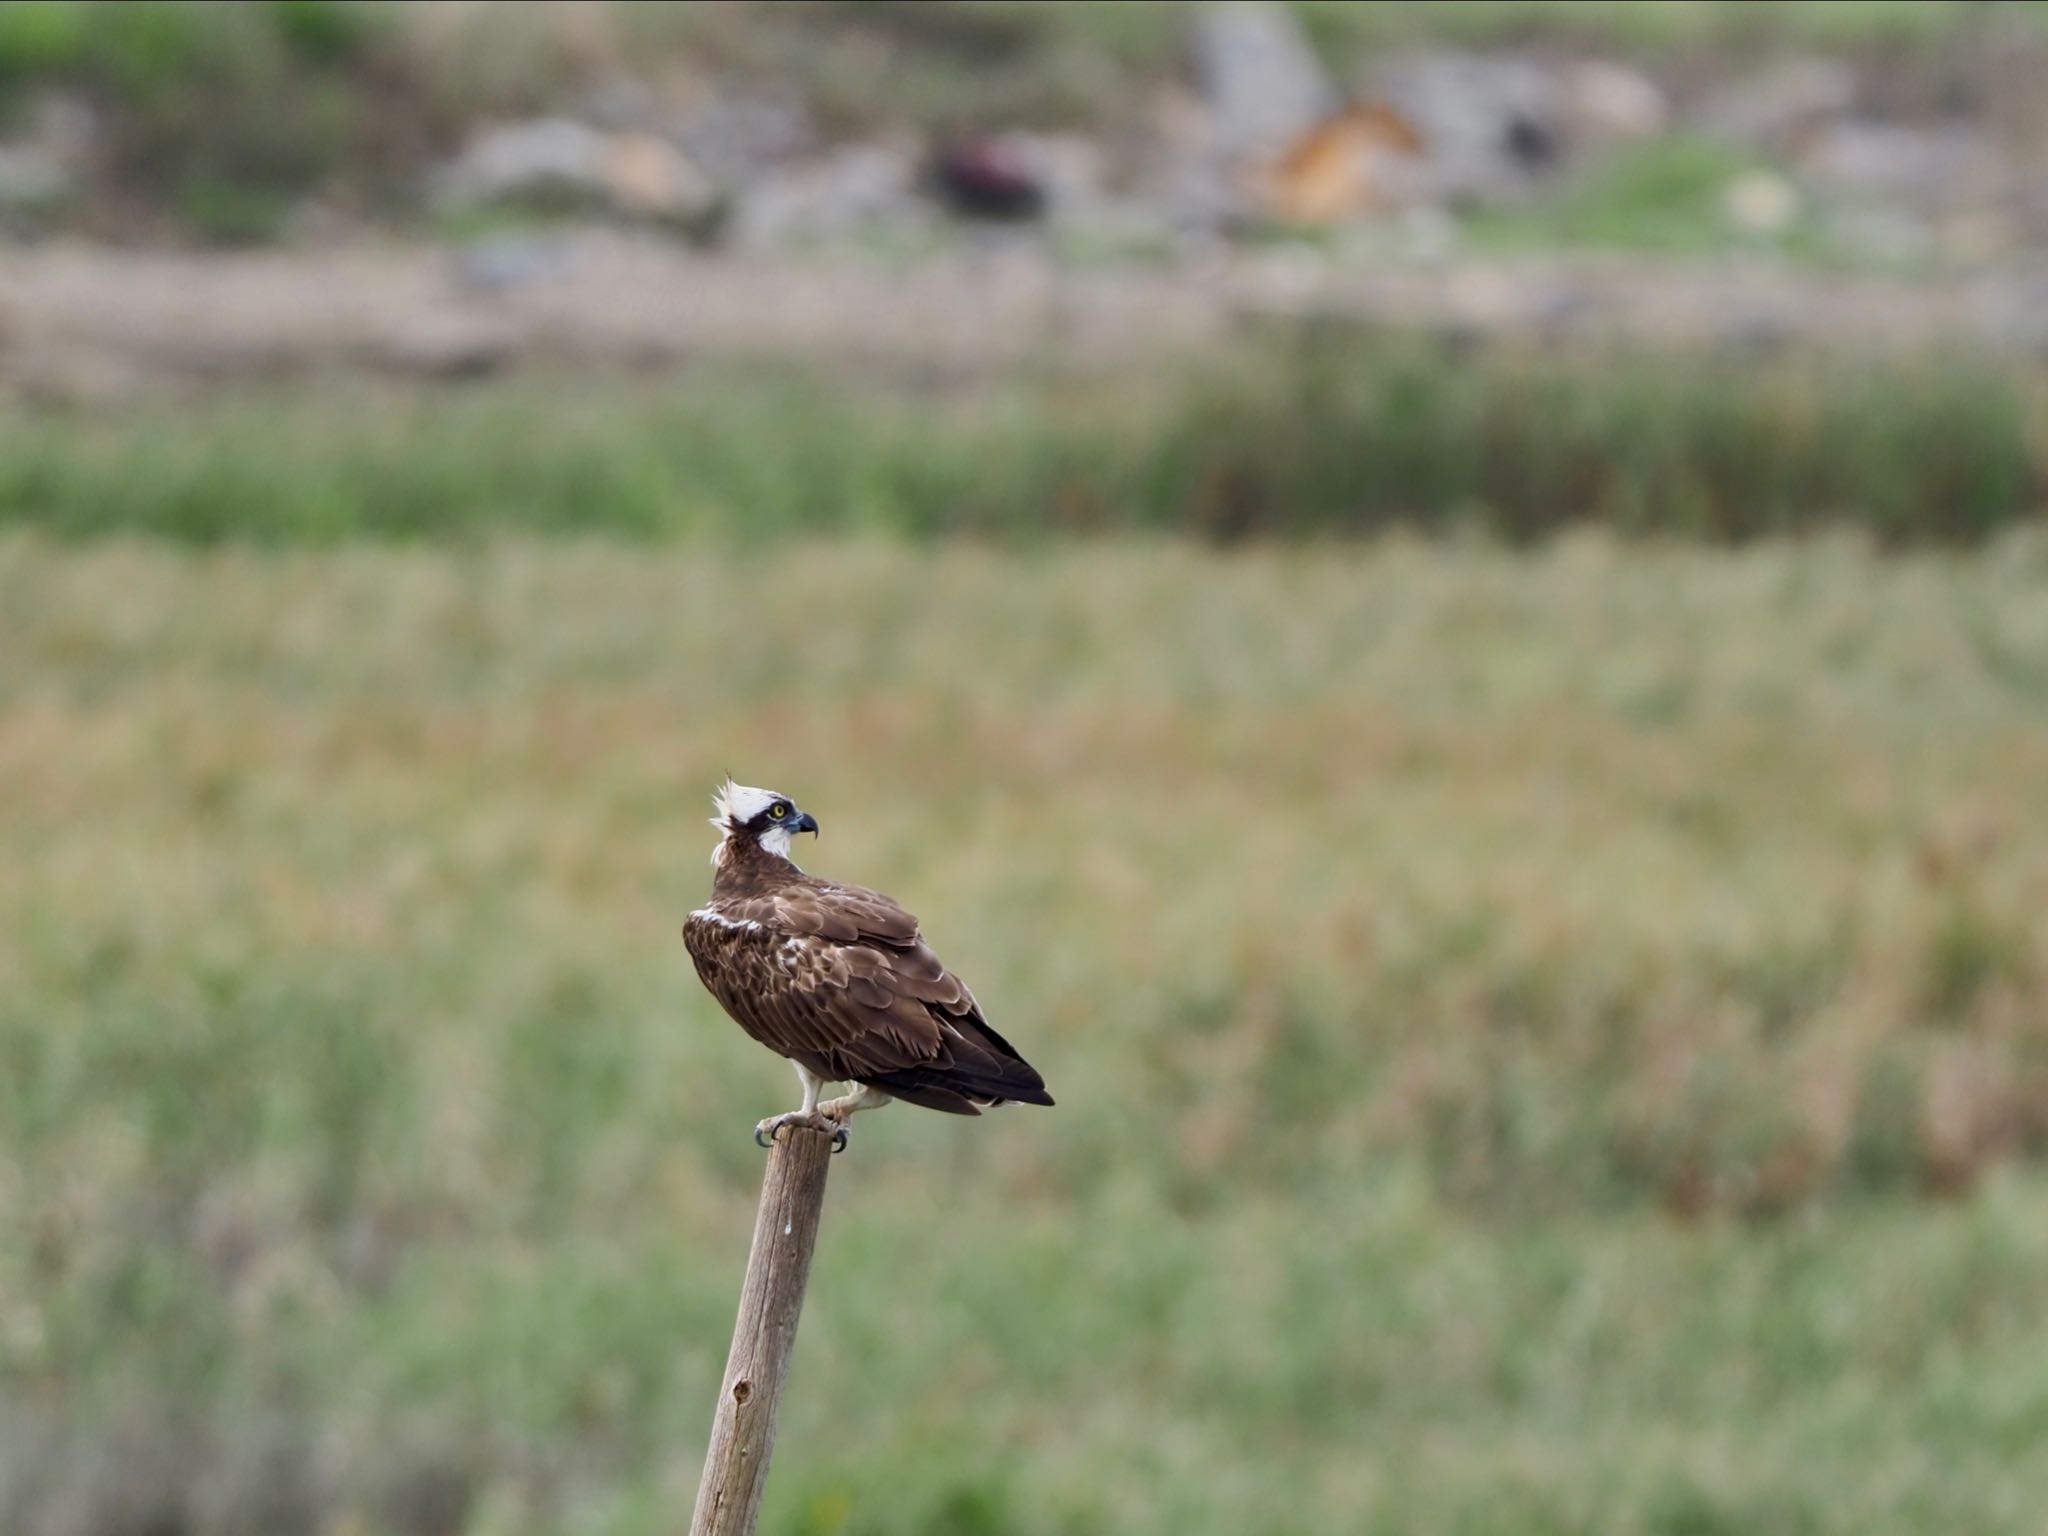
761	1140
839	1140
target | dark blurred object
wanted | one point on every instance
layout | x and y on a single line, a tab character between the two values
1530	142
1493	123
988	179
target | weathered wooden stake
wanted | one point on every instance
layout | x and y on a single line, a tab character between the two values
771	1300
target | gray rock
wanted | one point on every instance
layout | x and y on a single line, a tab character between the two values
66	125
1878	233
552	161
646	177
1925	168
1775	107
558	164
739	138
618	104
1184	175
1981	235
1606	103
863	186
46	170
1489	124
32	181
1260	79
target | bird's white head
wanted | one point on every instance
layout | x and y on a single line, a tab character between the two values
761	816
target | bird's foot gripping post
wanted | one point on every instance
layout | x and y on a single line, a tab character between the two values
769	1131
771	1300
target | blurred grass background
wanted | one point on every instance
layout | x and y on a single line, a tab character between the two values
1523	862
1544	1042
1318	436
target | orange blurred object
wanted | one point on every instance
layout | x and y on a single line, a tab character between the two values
1344	166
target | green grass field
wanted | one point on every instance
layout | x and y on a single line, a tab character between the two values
1546	1042
1321	435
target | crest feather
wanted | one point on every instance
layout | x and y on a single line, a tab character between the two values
738	804
721	802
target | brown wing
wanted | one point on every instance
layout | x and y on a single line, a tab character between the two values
838	979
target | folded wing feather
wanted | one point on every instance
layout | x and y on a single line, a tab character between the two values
838	979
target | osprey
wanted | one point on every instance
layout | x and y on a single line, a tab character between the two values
839	980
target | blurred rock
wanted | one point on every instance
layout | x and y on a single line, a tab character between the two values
1777	106
1925	168
1186	175
648	178
559	165
619	104
1489	124
1760	203
1259	77
43	172
65	123
1879	233
738	138
1980	235
550	161
1606	103
34	185
862	186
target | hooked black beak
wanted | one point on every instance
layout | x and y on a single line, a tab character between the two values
805	822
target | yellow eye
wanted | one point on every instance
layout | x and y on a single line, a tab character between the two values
778	810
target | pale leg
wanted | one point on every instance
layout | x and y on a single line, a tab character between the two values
764	1133
862	1097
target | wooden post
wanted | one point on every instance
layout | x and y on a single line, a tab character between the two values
779	1263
